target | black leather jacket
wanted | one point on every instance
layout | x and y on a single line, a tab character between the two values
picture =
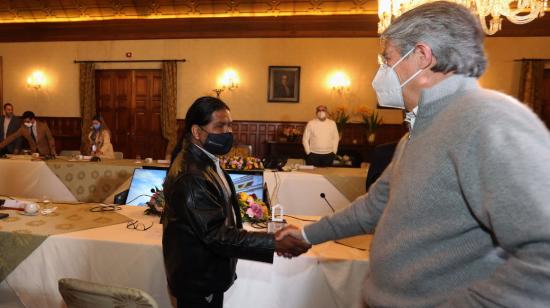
201	240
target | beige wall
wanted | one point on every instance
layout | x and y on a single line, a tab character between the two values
207	59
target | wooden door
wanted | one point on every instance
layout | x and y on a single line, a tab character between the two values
129	101
114	100
147	133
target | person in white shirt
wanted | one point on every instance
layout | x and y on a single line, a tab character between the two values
320	139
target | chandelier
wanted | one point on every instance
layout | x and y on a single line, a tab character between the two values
516	11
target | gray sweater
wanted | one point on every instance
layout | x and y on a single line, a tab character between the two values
462	214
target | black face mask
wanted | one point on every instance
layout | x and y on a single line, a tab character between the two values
218	144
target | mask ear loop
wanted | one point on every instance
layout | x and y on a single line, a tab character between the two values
400	60
412	77
403	57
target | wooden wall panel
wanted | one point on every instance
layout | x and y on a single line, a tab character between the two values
256	133
1	83
66	132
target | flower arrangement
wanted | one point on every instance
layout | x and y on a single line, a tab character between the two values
252	209
155	206
341	116
241	163
343	160
292	133
371	118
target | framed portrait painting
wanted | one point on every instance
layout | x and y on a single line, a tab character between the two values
283	84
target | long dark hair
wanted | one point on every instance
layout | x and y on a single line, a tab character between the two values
200	113
102	122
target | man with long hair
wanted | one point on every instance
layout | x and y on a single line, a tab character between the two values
203	235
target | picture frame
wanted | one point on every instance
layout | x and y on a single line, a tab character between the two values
283	84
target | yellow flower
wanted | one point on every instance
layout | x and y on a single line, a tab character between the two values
371	117
243	196
265	210
364	110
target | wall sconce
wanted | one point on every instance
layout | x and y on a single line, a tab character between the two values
228	81
36	80
339	82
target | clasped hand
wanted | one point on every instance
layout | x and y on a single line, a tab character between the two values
290	243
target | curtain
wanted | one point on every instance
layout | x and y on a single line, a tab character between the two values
168	105
531	82
87	100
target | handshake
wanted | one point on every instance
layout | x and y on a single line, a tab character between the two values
290	243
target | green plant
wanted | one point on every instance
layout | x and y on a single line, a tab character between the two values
341	116
371	118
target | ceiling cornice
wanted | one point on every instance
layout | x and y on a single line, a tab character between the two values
358	25
184	28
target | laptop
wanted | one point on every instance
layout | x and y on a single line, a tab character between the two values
250	182
143	181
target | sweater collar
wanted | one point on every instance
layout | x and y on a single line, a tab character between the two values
434	99
450	86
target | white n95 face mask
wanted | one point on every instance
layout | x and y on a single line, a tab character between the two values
387	86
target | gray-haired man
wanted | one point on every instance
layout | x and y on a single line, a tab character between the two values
462	215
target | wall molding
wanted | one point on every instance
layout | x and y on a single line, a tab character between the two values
322	26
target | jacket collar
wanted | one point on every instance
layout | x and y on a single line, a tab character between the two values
200	156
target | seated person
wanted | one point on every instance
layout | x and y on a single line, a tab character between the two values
99	139
37	134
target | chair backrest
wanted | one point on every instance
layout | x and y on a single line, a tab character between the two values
291	162
119	155
380	159
84	294
69	153
242	150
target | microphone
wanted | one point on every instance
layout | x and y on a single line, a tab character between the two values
323	196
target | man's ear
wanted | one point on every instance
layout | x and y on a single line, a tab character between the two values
425	55
195	132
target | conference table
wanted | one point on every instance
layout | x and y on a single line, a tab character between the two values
69	180
329	275
32	179
64	178
299	191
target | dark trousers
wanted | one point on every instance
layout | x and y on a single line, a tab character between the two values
320	160
215	300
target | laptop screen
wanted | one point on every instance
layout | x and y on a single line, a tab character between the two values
250	182
142	182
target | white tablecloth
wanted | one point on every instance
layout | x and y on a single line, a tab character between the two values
31	179
330	275
299	192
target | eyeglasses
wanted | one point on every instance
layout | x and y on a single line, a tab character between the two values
382	60
105	208
135	224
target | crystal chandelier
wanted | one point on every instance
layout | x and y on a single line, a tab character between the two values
516	11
